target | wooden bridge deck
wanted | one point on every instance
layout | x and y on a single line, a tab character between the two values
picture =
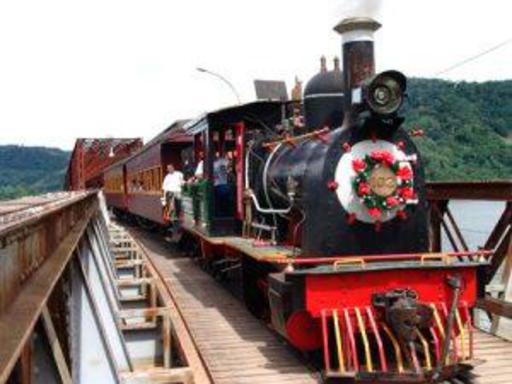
497	353
235	346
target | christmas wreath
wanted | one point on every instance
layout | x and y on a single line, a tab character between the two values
383	183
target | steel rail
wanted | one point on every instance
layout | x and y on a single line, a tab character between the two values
189	350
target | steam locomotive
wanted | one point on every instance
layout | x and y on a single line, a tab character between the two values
324	225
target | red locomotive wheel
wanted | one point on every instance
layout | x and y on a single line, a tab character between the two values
303	331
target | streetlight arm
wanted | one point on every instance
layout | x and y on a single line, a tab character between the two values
223	79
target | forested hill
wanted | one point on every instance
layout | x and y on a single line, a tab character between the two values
468	128
31	170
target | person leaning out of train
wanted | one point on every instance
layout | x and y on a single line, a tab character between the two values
171	187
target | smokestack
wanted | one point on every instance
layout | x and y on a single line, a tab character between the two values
358	56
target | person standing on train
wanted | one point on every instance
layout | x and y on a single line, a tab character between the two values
171	187
188	169
198	174
220	185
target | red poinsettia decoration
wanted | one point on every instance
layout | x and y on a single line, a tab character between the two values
407	193
392	201
375	212
388	158
358	165
405	173
376	155
385	157
363	189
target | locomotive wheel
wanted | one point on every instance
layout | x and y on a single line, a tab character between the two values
303	331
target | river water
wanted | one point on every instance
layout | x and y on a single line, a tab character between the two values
475	219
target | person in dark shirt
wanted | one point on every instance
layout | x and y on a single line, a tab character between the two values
188	169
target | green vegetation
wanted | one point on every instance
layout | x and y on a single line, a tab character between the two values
31	170
468	136
468	128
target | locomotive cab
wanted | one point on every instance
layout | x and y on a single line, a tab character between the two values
215	199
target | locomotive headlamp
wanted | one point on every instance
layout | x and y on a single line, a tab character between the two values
385	93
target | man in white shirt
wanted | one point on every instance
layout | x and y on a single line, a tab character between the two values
171	187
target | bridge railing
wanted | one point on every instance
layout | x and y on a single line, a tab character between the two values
495	288
64	299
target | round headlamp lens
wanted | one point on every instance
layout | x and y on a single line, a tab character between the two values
381	95
385	95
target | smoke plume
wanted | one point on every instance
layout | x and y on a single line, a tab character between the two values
360	8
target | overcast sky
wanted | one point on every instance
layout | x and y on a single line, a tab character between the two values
126	68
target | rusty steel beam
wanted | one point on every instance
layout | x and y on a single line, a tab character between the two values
439	195
31	210
33	258
489	190
437	209
27	242
502	252
456	229
500	227
495	306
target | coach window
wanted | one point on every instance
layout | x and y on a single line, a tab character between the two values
156	177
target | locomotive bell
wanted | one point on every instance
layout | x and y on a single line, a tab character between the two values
384	93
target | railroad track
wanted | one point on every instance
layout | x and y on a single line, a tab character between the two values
235	347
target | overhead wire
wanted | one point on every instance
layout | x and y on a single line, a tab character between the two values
473	58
